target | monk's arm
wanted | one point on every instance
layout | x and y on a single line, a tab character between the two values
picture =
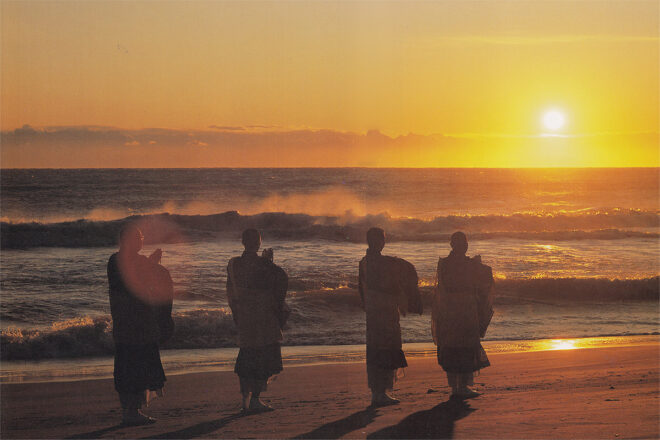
435	312
360	285
485	299
281	285
230	292
412	289
120	304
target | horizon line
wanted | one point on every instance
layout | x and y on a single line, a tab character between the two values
333	168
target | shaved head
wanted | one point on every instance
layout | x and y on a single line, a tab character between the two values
251	239
458	242
130	238
376	239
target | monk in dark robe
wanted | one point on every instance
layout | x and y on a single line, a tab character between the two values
388	287
462	310
256	289
141	294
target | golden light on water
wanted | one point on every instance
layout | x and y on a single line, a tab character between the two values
556	344
566	344
563	344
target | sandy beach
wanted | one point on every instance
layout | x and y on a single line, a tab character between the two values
204	179
609	392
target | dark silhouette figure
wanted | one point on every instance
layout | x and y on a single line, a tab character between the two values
388	287
256	289
462	310
437	422
340	428
141	295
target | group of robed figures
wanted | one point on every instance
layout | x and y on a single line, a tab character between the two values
141	296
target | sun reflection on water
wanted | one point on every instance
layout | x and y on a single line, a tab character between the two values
563	344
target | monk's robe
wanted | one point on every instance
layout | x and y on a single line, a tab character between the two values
388	288
462	310
141	294
163	302
256	290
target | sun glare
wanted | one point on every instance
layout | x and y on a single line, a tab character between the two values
563	344
554	120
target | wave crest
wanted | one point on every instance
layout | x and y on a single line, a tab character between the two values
172	228
319	317
92	336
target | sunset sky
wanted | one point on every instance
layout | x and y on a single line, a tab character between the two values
428	84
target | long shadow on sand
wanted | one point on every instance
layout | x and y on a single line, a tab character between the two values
342	427
198	429
437	422
98	433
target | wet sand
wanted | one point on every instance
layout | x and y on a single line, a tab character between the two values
610	392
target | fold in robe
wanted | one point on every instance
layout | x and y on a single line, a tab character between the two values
388	288
256	290
462	311
141	295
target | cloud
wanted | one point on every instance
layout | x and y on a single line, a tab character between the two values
252	128
197	143
112	136
226	128
512	40
66	135
71	147
563	135
301	147
263	127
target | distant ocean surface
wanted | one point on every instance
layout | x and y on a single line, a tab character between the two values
575	252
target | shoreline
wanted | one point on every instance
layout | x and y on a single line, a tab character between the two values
605	392
176	361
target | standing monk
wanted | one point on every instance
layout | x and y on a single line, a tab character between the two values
256	289
462	310
388	286
141	294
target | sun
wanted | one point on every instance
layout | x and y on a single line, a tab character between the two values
554	120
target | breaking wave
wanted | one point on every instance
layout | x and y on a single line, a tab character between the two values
171	228
568	290
327	317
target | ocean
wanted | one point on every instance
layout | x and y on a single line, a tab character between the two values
575	252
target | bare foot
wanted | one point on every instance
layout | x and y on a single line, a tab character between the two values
137	419
383	400
467	393
256	405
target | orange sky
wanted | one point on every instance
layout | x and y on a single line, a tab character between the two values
329	83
